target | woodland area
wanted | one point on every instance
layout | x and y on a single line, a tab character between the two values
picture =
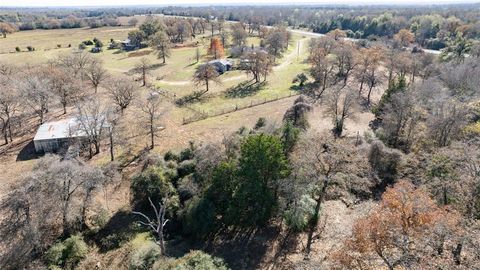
370	161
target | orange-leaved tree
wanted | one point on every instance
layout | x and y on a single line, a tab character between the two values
407	230
216	48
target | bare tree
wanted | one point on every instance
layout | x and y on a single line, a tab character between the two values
92	178
156	225
257	63
223	33
197	54
34	89
133	22
205	74
367	71
96	73
6	28
346	60
31	211
400	120
122	92
9	105
322	70
64	86
92	121
143	67
340	106
315	162
151	108
239	35
277	41
55	190
77	63
113	124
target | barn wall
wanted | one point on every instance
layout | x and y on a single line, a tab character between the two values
44	146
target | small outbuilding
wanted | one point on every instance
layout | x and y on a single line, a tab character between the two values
222	65
127	45
52	136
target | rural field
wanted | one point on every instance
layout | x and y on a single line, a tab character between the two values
204	137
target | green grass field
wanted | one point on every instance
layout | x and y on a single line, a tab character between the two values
175	76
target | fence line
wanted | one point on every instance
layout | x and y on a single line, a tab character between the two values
201	115
204	115
172	98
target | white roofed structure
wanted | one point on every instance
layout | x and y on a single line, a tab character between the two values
51	136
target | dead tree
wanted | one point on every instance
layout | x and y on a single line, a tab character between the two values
157	224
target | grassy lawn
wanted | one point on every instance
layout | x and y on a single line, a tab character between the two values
48	39
175	76
277	86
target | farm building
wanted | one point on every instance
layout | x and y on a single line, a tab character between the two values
127	45
222	65
52	136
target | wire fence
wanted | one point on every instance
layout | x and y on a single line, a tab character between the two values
201	115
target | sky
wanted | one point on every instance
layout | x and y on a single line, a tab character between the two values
44	3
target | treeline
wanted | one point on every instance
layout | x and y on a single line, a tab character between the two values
71	21
433	27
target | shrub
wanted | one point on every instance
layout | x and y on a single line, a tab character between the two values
17	49
187	153
100	219
199	217
185	168
151	183
67	254
300	79
87	42
261	122
194	260
170	155
98	43
187	188
145	256
114	240
385	162
30	48
299	214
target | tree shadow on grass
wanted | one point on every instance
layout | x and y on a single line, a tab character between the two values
156	66
244	89
190	65
306	87
136	70
196	96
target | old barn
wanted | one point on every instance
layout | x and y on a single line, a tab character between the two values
52	136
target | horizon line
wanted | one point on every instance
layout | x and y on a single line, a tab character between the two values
379	4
